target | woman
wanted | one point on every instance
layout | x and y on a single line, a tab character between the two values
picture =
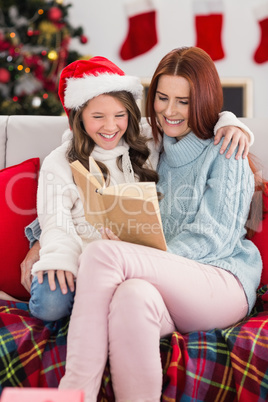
128	296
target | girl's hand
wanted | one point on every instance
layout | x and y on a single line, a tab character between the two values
26	266
64	278
237	136
107	234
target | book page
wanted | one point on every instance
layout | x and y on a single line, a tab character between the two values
88	187
78	168
96	172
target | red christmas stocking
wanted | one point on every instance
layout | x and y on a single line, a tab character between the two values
141	35
208	24
261	53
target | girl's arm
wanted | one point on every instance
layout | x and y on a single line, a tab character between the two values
232	129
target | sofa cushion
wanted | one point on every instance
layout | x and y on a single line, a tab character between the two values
18	187
260	240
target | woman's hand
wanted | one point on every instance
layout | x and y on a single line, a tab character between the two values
237	136
64	278
107	234
26	266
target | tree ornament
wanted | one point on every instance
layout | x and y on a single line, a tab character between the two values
54	14
4	75
36	101
47	28
52	55
83	39
32	32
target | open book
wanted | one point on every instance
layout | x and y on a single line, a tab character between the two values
130	210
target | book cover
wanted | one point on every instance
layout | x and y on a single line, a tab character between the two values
130	210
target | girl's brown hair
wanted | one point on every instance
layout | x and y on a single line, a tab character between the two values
82	145
205	104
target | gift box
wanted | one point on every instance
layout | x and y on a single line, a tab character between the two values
41	395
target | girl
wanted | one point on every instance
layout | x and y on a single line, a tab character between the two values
128	296
100	101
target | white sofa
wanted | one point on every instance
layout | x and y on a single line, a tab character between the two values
24	137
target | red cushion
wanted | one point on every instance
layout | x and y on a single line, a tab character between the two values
18	186
260	239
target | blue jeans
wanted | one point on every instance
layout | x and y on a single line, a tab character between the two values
49	305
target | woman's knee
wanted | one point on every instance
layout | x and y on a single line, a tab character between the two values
138	304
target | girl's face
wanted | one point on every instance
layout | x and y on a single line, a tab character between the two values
105	120
171	105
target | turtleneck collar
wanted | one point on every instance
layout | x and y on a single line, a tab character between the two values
178	153
110	156
105	155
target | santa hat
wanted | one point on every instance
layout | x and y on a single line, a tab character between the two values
84	79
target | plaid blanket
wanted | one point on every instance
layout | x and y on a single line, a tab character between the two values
219	365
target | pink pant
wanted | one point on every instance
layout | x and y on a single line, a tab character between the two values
127	297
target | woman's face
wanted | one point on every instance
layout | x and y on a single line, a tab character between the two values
171	105
105	120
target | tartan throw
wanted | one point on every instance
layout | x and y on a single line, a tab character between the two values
214	366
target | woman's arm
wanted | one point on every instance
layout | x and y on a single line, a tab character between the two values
26	266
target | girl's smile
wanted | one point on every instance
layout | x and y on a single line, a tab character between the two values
108	137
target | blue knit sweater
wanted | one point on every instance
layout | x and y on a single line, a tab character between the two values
205	207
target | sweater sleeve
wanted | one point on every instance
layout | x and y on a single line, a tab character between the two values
59	207
222	213
230	119
33	232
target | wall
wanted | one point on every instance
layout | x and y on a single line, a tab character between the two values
105	23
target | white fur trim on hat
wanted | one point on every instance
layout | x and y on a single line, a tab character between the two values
79	90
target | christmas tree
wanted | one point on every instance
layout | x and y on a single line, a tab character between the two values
34	47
